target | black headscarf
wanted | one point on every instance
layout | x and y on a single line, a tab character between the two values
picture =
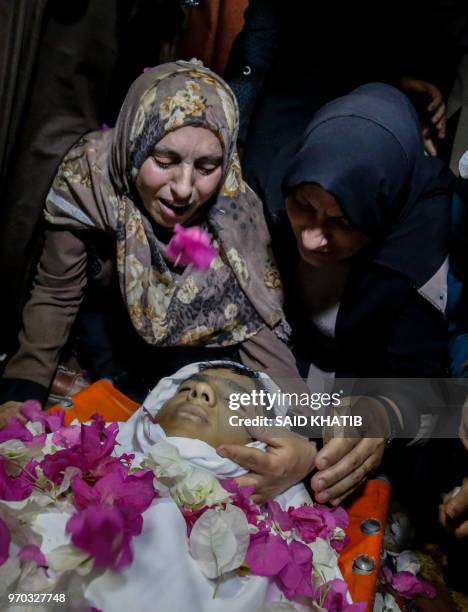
366	149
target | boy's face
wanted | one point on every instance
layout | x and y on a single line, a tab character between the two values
200	408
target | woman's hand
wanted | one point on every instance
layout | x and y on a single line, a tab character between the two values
9	409
287	459
453	512
436	109
345	462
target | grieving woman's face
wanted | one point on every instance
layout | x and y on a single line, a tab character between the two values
181	175
200	408
323	234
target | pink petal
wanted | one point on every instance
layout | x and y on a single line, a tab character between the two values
409	585
267	555
99	531
67	436
13	488
191	246
300	553
15	430
341	517
5	539
279	516
31	552
32	410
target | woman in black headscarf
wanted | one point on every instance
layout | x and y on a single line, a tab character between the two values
371	217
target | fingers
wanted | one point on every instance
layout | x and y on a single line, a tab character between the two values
337	501
344	476
453	513
248	480
273	436
251	459
347	484
457	507
440	127
439	114
333	451
429	145
437	99
442	516
461	531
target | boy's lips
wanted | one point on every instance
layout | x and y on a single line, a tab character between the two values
193	411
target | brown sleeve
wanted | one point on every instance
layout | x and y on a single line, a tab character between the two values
51	310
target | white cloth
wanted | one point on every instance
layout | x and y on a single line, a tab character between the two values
163	575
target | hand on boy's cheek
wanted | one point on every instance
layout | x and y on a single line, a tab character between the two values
287	459
453	512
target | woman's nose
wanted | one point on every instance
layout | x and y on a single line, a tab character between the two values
314	239
183	183
202	392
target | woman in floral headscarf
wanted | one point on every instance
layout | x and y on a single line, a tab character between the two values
170	159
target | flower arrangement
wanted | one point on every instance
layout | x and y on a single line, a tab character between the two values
72	479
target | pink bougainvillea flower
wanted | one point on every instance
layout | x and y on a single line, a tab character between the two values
67	436
32	410
135	492
97	440
5	539
91	454
191	245
13	488
16	430
31	552
409	585
296	576
385	575
335	599
267	554
313	522
100	532
279	516
339	544
340	515
241	497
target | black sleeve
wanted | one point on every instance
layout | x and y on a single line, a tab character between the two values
414	366
252	55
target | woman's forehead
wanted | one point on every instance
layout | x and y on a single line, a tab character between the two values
197	140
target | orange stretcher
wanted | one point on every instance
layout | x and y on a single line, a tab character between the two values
369	508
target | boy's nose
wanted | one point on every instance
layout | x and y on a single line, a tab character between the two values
202	392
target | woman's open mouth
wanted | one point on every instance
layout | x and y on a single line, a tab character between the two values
173	211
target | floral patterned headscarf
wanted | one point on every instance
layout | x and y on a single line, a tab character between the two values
94	188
